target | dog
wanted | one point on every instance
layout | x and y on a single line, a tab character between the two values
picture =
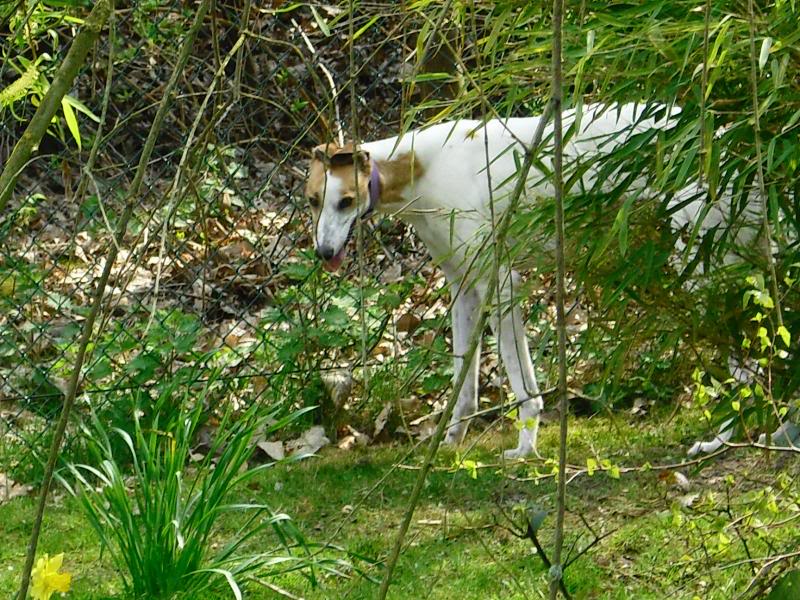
451	182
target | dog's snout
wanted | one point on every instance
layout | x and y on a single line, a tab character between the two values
325	252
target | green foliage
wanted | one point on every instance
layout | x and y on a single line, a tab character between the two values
621	251
158	525
315	323
758	400
468	551
38	28
723	523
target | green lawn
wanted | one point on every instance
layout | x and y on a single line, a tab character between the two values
457	547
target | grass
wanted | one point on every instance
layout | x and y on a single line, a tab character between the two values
455	548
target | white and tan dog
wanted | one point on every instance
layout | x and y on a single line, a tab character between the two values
452	182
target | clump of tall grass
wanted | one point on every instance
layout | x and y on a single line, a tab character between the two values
161	520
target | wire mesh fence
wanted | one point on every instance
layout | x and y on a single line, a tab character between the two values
216	271
216	279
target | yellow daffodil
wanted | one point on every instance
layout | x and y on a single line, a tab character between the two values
46	579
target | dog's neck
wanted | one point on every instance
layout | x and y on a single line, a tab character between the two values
397	176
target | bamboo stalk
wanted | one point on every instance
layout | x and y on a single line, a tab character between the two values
766	232
557	570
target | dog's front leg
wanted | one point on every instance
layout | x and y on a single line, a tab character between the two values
466	307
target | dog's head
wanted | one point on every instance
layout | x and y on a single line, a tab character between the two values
337	191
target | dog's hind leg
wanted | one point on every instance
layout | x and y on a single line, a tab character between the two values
465	313
509	330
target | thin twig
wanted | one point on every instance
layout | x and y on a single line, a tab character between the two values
331	82
237	73
597	539
769	562
559	583
89	166
174	201
703	90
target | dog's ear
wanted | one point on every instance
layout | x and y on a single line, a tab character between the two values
362	160
346	156
323	152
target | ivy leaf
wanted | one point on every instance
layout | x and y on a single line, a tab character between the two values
335	317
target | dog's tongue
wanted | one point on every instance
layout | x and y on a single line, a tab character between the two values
333	264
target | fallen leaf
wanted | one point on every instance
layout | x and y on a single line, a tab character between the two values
272	449
362	439
383	349
407	322
10	489
675	478
392	273
338	383
347	442
425	430
308	443
427	339
640	407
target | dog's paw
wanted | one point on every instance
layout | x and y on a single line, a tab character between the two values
454	437
520	452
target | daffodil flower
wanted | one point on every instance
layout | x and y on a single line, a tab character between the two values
46	579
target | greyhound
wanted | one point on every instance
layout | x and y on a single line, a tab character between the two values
450	182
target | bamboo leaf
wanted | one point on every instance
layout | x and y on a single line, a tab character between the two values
364	28
621	224
19	88
72	121
81	107
323	25
784	335
764	54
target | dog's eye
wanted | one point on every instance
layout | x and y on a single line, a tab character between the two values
313	201
346	202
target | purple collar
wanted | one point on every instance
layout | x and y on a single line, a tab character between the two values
374	190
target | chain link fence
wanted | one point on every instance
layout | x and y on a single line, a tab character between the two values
216	274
